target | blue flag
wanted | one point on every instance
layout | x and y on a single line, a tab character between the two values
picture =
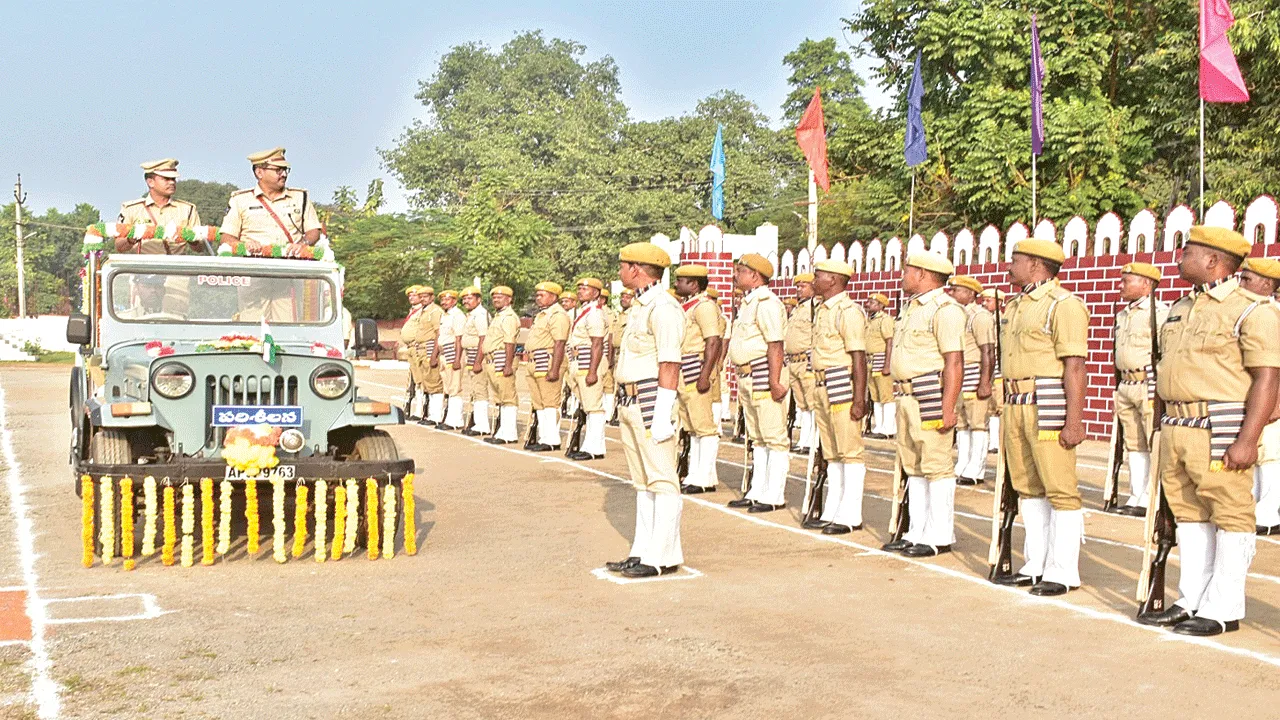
717	175
915	150
1037	91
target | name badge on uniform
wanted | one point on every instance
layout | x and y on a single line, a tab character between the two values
1173	318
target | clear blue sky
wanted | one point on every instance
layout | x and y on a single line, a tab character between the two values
92	89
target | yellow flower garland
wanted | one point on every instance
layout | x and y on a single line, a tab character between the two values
149	516
389	522
251	515
277	518
126	521
188	524
86	521
300	520
410	523
371	517
206	521
166	553
322	511
339	520
107	511
224	519
353	517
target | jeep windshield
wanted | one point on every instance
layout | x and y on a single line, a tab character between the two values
221	299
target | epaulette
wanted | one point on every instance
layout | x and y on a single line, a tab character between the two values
131	203
241	192
301	190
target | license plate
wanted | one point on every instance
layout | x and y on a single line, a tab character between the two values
274	415
284	472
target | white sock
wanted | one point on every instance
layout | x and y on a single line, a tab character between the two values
1139	467
694	466
942	519
1066	532
1224	598
715	412
549	426
850	512
1268	494
480	417
994	437
1196	545
976	468
664	548
607	402
835	491
779	465
644	522
1035	518
708	453
593	434
435	407
917	509
453	416
962	451
759	474
507	415
877	418
891	418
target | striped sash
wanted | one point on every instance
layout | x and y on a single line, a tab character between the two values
839	384
759	377
499	360
1151	384
429	347
449	351
877	362
646	397
582	358
1222	420
927	390
471	355
1051	407
541	361
969	385
691	368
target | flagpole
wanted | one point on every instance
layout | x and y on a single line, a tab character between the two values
1201	160
813	215
1033	192
911	217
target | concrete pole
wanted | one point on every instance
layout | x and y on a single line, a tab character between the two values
17	228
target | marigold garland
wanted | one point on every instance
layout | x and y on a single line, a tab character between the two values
107	528
224	519
371	517
300	520
188	525
251	515
410	524
339	521
277	518
322	510
389	522
353	517
206	521
86	521
149	516
126	521
170	535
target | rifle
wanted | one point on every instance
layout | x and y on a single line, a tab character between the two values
740	425
791	415
813	501
575	437
410	394
1115	458
1160	528
533	432
682	456
748	470
900	514
1004	506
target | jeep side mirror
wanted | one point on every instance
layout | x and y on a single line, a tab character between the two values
79	329
366	336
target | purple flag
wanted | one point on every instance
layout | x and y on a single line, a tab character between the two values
1037	91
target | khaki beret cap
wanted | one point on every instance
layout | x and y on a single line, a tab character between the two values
553	288
566	295
1228	241
993	293
790	302
449	293
713	293
412	289
759	263
1143	269
672	293
604	292
805	277
832	266
501	290
1046	249
167	167
693	271
274	156
628	292
470	290
965	281
427	290
881	298
645	253
1266	267
590	282
930	261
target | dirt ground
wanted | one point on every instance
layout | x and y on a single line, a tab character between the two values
500	614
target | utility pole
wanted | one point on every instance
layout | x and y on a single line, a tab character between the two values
20	198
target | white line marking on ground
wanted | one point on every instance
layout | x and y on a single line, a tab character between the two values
44	690
8	643
685	573
150	608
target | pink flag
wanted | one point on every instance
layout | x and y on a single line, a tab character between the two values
1220	79
811	136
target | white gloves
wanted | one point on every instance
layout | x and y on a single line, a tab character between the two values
663	408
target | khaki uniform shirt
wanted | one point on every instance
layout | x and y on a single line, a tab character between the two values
589	324
1206	346
411	331
1040	328
504	329
653	335
701	321
145	211
762	319
451	325
839	329
619	325
550	326
879	329
931	325
980	329
799	337
247	217
476	325
430	318
1133	333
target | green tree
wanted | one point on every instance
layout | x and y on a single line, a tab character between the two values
210	198
52	258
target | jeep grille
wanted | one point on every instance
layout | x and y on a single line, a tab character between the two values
244	390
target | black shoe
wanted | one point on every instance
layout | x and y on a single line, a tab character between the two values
764	508
797	450
498	441
1204	627
1015	580
538	447
922	550
960	480
614	422
993	451
1264	530
814	524
579	455
1132	511
834	529
621	565
737	439
694	490
1044	588
471	432
427	423
643	571
897	546
1171	616
877	436
446	426
741	503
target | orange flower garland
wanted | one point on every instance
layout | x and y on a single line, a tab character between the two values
188	525
206	521
300	520
126	521
86	521
389	522
371	517
224	519
149	516
107	528
339	520
170	535
251	515
353	517
322	512
410	523
277	518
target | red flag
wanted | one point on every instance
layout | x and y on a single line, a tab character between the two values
811	136
1220	79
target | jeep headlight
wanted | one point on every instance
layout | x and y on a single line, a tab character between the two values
173	380
330	381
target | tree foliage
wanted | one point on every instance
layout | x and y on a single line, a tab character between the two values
51	258
210	198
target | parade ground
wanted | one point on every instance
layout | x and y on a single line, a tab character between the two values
506	611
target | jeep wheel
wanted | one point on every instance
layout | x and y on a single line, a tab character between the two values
373	445
110	447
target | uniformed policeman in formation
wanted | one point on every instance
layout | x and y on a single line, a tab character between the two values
993	302
500	364
927	369
608	388
755	349
797	346
448	350
544	363
1043	348
1216	388
157	207
428	335
840	395
1262	277
625	299
586	360
648	376
409	333
1133	363
474	383
975	391
270	213
884	411
719	399
700	349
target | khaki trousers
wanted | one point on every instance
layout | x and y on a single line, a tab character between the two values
802	385
840	436
475	384
431	382
695	411
881	386
972	413
590	397
502	389
1040	468
766	418
652	465
542	394
1196	495
923	453
451	379
1134	412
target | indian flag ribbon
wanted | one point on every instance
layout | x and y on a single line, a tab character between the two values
269	348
